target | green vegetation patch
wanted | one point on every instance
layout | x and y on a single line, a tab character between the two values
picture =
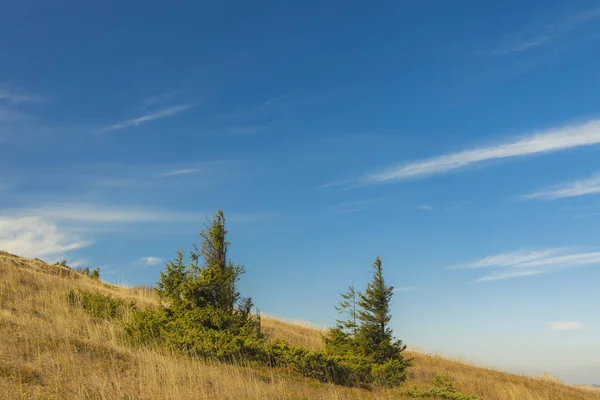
442	387
99	305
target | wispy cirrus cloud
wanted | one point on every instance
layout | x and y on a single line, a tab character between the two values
543	35
164	113
566	137
564	325
526	263
86	214
426	207
574	188
97	213
178	172
521	45
496	276
16	96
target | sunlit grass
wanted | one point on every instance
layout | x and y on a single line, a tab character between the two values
52	351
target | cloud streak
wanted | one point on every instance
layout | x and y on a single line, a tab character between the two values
94	213
521	45
546	35
575	188
178	172
526	263
164	113
563	138
19	96
84	215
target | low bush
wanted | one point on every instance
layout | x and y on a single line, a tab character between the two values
213	334
443	388
98	305
389	374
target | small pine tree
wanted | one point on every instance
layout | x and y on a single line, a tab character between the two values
347	307
170	287
95	274
374	337
340	339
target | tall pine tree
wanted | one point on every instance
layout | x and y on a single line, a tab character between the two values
375	303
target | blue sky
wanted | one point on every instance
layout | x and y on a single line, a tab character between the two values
459	141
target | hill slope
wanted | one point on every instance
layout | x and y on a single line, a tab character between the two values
52	351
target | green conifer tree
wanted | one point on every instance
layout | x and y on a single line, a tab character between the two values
347	307
374	337
171	286
340	338
214	282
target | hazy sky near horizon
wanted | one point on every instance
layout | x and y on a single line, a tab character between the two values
459	141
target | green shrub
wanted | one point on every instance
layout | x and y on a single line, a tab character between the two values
95	274
316	365
98	305
146	325
443	388
389	374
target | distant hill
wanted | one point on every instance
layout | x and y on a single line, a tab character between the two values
50	350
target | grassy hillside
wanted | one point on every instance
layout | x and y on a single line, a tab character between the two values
50	350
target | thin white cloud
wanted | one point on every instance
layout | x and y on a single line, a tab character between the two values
509	259
164	113
426	207
565	325
525	263
566	137
546	34
496	276
521	45
151	261
94	213
86	214
36	237
19	96
178	172
569	189
568	260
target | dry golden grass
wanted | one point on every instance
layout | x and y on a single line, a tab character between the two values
49	350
